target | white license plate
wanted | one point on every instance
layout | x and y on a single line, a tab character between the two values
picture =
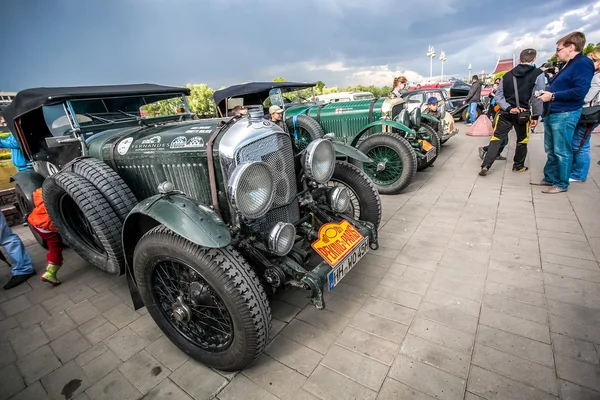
431	154
340	270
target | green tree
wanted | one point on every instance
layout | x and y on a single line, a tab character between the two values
589	48
279	79
201	101
499	75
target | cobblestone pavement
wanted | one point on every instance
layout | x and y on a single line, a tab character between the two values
483	288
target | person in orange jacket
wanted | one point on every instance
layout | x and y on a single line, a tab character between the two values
40	221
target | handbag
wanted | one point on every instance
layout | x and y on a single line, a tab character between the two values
591	114
523	117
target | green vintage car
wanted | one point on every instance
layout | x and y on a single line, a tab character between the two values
397	142
205	217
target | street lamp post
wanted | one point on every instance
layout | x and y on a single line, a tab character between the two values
431	55
443	59
469	71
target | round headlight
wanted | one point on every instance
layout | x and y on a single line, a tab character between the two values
319	161
281	238
251	189
339	199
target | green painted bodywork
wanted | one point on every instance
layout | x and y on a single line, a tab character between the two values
345	119
352	120
147	156
185	216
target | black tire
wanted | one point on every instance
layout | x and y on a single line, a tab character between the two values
26	208
365	201
227	274
463	116
108	182
405	153
435	142
85	220
308	129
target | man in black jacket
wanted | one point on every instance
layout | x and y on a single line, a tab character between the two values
528	79
473	97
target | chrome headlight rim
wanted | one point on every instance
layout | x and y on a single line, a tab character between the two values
276	234
309	158
339	199
238	176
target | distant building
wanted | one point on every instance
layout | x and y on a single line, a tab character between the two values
6	98
504	65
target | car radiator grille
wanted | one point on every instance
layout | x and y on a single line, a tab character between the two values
276	151
187	176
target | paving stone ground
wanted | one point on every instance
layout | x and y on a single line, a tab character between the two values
483	288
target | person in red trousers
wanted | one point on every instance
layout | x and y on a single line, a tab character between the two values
40	221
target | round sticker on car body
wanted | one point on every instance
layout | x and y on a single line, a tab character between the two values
124	145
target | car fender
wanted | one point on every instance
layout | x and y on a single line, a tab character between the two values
185	216
429	117
392	124
29	182
351	152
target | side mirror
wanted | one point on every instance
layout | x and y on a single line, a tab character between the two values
442	109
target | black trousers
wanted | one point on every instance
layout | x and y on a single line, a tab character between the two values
503	123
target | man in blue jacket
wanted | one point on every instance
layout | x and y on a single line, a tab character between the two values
563	101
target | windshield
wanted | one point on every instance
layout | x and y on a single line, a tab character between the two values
364	96
291	96
120	109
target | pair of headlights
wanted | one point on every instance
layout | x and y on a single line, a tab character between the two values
251	188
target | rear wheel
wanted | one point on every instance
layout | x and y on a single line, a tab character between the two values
85	220
394	162
209	302
365	203
466	112
307	130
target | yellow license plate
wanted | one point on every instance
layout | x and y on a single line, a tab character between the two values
426	145
336	240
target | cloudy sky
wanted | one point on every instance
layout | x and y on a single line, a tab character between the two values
224	42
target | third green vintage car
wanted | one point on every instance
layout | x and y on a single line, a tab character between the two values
395	140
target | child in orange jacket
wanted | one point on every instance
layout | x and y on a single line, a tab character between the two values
40	221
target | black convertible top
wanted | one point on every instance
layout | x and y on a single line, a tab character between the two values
30	99
256	87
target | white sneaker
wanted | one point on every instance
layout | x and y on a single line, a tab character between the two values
574	180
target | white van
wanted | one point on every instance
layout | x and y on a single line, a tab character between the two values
344	96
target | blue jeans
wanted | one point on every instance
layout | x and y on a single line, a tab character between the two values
559	129
15	249
581	156
472	110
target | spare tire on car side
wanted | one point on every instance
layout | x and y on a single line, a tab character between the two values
85	220
307	130
108	182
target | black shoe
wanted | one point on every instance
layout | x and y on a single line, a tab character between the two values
483	171
16	280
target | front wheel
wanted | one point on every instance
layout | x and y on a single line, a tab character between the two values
465	113
365	203
394	162
209	302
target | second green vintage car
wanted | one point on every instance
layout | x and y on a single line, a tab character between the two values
205	217
378	127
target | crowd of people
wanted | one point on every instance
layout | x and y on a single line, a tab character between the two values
567	100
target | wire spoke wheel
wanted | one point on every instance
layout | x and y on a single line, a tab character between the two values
191	306
386	167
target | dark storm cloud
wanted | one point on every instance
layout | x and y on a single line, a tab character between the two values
222	42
